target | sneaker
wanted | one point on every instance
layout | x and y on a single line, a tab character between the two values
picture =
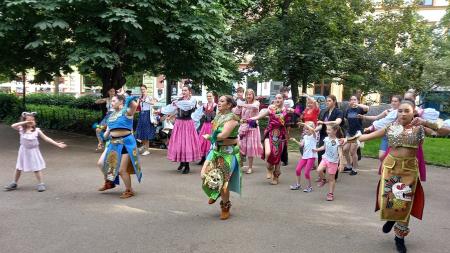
295	187
12	186
353	173
347	169
308	189
330	196
41	187
146	153
322	183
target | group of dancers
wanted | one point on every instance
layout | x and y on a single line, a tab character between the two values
229	132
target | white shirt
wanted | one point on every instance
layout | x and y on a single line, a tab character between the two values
309	143
382	123
331	150
146	103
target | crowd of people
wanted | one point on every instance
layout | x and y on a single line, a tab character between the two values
224	136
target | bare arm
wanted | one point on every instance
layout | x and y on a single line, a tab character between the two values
227	129
132	108
374	135
364	107
319	149
338	121
262	114
295	140
50	140
19	124
310	128
101	101
375	117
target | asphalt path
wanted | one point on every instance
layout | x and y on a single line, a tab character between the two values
170	212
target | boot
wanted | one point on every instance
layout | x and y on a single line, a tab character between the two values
181	166
276	174
225	214
186	168
108	185
202	161
387	227
400	245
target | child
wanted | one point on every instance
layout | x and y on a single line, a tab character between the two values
30	158
308	143
330	160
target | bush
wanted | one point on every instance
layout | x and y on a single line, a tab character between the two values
10	107
87	102
65	118
83	102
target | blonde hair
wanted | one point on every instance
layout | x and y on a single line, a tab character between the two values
253	92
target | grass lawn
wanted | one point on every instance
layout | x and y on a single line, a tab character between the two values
437	150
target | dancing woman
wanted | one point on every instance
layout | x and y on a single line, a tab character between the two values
220	173
184	144
209	112
121	156
249	134
274	136
400	193
145	130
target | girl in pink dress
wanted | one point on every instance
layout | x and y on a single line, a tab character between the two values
249	135
30	158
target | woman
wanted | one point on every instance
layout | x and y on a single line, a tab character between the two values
395	103
274	136
121	156
220	173
145	130
331	116
249	134
312	111
355	128
209	112
183	144
400	193
100	128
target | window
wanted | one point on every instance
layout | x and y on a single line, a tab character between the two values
426	2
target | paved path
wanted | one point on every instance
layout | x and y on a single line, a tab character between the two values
170	213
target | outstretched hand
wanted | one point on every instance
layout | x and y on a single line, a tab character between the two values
61	145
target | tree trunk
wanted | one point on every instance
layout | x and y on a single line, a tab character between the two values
24	91
56	80
111	79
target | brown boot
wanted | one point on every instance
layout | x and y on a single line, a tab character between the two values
225	214
211	201
274	181
108	185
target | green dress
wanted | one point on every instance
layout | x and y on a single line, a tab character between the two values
223	170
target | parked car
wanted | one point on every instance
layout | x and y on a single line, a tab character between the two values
321	100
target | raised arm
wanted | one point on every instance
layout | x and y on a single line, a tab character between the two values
375	117
101	101
374	135
132	108
19	124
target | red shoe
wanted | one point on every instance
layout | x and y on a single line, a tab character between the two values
108	185
330	196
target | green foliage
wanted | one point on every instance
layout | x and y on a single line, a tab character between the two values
65	118
83	102
10	107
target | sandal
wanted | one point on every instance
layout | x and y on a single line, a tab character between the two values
127	194
99	147
330	196
249	171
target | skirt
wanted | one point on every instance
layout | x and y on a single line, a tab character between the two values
145	129
30	159
222	172
205	145
113	158
250	143
183	143
399	191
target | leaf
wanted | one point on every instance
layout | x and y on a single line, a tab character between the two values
34	44
60	23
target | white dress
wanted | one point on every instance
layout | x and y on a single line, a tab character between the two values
29	157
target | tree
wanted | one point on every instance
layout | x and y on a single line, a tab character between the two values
113	39
301	42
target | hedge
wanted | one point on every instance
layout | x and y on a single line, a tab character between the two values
83	102
10	107
65	118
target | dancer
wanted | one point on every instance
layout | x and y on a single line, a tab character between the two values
331	159
395	103
308	143
146	129
240	100
121	156
29	157
220	173
184	146
355	128
400	193
312	111
249	134
101	127
209	112
288	104
274	137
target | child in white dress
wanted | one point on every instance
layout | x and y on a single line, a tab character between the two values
29	157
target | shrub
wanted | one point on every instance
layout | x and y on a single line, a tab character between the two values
65	118
10	107
83	102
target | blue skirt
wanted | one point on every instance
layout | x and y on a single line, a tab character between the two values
145	129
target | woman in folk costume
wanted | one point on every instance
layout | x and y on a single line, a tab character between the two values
121	156
400	193
101	127
249	135
184	146
145	130
220	173
209	112
274	136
